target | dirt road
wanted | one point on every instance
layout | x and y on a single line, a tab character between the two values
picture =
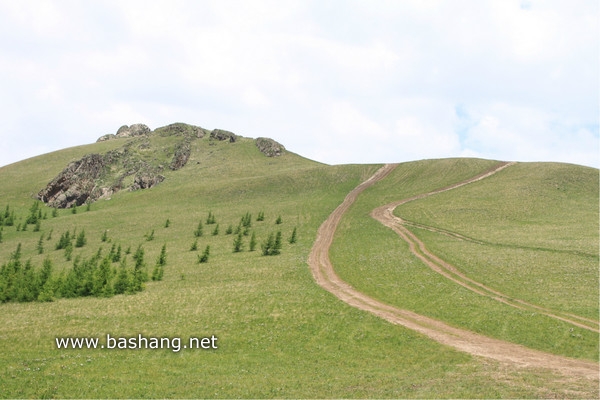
463	340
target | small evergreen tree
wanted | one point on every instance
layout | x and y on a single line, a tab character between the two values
88	206
261	216
162	258
38	225
150	236
238	243
229	230
253	242
199	230
194	246
0	235
204	257
32	218
116	257
215	231
104	236
210	220
167	223
267	245
139	270
54	212
272	246
246	220
49	237
81	240
278	244
69	251
102	277
293	238
74	208
40	245
278	221
123	282
158	272
64	241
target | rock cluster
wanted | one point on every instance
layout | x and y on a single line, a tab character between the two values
269	147
97	176
221	134
88	179
75	184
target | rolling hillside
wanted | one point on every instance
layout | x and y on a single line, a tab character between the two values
531	233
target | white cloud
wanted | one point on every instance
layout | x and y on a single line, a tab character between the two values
337	81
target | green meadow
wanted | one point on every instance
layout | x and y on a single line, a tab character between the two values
279	334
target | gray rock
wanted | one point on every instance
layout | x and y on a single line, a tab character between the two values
146	180
75	184
221	134
104	138
181	156
269	147
132	131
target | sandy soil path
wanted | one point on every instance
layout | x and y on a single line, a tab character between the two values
461	339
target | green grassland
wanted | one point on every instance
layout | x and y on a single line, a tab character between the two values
279	334
541	249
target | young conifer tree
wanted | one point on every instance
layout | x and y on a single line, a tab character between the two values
293	238
204	257
40	245
81	240
238	243
199	230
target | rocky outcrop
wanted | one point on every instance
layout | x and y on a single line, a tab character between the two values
269	147
221	134
90	178
146	180
137	164
75	184
181	129
104	138
133	131
181	156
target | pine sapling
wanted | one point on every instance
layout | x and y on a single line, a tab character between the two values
204	257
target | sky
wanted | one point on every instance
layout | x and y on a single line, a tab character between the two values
335	81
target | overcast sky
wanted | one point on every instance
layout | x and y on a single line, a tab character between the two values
335	81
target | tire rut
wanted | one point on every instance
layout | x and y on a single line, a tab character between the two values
463	340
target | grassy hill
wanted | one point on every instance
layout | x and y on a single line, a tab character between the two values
279	334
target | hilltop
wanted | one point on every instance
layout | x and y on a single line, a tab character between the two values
529	232
137	164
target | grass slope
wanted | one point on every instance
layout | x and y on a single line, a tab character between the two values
540	249
279	334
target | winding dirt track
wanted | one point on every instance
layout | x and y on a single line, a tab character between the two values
463	340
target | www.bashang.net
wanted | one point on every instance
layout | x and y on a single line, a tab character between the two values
175	344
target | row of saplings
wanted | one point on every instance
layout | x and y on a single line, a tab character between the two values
99	275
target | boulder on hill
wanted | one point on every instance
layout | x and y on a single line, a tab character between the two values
269	147
104	138
221	134
133	130
181	129
75	184
127	132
